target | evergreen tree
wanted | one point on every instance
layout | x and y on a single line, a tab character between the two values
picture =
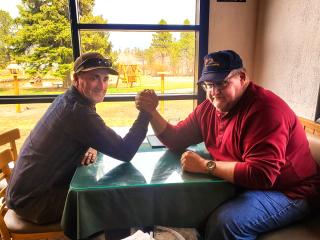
43	39
6	28
161	45
187	50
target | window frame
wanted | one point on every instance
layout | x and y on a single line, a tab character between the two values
317	114
201	29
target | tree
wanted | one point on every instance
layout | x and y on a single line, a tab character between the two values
161	45
43	40
168	54
96	41
187	50
6	25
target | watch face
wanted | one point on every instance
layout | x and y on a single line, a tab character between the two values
211	165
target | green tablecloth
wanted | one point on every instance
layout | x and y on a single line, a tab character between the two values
150	190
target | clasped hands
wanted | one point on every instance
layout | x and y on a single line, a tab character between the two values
147	100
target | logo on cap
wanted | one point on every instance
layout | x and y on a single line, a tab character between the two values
211	62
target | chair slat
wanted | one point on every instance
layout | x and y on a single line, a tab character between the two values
10	137
310	126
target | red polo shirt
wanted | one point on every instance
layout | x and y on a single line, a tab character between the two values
262	134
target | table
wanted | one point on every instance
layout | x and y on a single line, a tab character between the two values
150	190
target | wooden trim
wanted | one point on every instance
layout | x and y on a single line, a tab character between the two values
310	126
10	137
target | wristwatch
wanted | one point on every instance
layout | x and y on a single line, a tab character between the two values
211	165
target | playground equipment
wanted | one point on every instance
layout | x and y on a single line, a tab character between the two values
129	74
162	75
14	69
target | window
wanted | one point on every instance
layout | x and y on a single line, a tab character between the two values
150	39
317	118
152	46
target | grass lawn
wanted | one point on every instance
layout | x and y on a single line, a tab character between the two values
170	84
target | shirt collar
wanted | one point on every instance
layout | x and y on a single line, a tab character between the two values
82	99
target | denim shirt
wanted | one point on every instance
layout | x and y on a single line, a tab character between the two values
54	148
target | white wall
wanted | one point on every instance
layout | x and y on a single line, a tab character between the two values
279	41
287	55
232	25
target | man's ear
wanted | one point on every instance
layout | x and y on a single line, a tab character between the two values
75	80
243	76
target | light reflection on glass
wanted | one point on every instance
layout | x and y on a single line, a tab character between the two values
145	163
104	168
175	177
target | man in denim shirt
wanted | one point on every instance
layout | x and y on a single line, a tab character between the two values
62	140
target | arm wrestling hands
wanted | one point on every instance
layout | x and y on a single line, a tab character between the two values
147	100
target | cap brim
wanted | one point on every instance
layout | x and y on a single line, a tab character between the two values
213	77
110	70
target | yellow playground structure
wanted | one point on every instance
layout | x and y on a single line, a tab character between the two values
129	74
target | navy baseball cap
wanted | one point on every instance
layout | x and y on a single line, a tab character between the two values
218	65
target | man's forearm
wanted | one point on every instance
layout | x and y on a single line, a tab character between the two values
158	123
225	170
193	162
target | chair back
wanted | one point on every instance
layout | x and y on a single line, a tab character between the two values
314	144
5	158
310	126
10	137
312	130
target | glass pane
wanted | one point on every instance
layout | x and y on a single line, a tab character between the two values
35	51
138	12
25	119
115	114
123	114
163	61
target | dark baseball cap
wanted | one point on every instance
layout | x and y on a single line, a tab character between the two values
93	60
218	65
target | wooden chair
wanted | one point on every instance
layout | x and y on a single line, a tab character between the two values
310	126
11	225
9	138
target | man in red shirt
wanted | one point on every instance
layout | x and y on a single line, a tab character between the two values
256	142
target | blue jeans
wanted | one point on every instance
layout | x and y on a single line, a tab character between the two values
252	213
